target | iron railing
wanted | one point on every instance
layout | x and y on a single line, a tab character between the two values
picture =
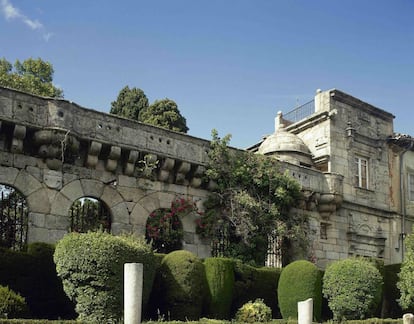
300	112
13	218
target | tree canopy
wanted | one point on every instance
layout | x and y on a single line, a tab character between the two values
32	75
165	113
130	103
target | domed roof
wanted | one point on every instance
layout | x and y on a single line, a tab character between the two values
283	141
286	146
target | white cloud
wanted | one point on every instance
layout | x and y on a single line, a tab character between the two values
11	12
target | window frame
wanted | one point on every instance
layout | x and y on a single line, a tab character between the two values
361	164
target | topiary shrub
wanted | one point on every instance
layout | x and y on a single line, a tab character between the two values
46	297
12	305
220	281
299	281
266	283
351	287
91	268
253	283
391	294
182	286
253	312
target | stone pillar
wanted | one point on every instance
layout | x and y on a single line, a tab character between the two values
408	318
133	281
305	311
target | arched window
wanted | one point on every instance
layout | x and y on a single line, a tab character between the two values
13	218
164	230
89	214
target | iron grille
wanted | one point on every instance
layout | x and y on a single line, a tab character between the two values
13	219
300	112
89	214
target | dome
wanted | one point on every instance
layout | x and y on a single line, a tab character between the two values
286	147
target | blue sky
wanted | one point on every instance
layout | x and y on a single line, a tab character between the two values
229	65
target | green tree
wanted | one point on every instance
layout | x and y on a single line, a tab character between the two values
130	103
406	275
165	113
32	75
250	202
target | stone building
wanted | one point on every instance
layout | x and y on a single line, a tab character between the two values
357	175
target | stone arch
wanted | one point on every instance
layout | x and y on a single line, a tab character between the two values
30	187
95	189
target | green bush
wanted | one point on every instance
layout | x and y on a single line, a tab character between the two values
182	286
91	268
12	305
220	281
252	283
299	281
33	275
406	275
391	294
352	288
253	312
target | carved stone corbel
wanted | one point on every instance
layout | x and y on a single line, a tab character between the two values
93	153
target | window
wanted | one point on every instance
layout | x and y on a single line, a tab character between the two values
361	175
411	186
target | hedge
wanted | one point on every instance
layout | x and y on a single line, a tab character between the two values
182	286
299	281
220	281
91	268
33	275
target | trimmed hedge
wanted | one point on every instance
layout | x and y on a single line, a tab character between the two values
299	281
182	286
252	283
391	293
220	281
91	268
352	287
33	275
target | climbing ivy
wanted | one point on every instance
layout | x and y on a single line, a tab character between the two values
250	201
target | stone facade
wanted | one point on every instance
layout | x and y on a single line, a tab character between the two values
359	209
55	152
344	153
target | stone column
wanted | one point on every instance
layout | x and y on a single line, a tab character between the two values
305	311
408	318
133	281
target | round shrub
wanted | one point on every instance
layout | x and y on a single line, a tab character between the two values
299	281
182	284
91	267
220	281
352	287
12	305
406	275
253	312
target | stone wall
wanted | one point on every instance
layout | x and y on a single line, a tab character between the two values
55	152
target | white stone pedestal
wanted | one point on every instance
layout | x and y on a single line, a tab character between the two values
305	311
133	281
408	318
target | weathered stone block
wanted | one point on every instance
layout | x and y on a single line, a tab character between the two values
38	201
92	188
26	183
36	220
8	175
120	213
110	196
117	228
73	190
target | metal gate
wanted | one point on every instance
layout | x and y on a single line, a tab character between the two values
89	214
13	218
